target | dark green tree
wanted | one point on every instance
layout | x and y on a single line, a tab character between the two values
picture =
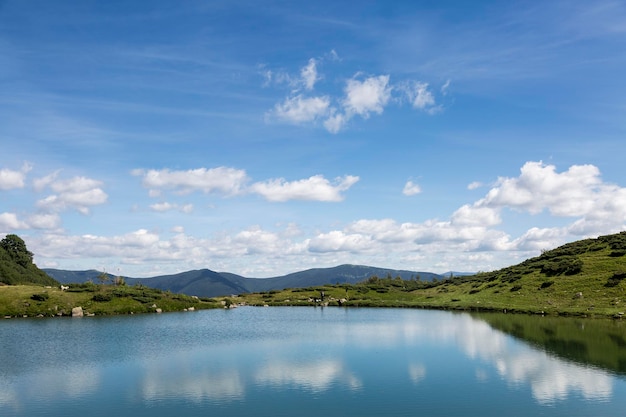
16	264
16	248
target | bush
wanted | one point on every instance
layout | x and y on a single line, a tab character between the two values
516	288
40	297
615	279
86	287
546	284
102	297
566	265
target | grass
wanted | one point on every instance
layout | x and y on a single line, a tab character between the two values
33	300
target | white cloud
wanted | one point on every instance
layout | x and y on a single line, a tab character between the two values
44	221
10	222
10	179
368	96
309	75
301	109
79	193
362	96
225	180
41	183
410	188
473	237
335	122
315	188
164	206
472	215
385	230
445	87
337	241
420	97
230	181
187	208
474	185
577	192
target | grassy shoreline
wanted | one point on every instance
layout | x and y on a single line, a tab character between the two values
98	300
38	301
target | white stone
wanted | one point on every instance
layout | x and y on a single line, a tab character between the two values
77	312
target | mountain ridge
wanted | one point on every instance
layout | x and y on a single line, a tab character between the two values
209	283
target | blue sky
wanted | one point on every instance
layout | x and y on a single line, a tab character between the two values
262	138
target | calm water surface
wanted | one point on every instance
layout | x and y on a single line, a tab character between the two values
296	361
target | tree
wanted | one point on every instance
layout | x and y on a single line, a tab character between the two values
103	277
16	248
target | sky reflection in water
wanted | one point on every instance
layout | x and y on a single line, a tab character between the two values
227	358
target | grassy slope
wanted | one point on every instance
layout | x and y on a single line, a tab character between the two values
31	300
583	278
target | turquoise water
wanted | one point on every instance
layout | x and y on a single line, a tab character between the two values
291	362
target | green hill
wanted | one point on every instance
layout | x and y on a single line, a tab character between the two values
16	264
585	278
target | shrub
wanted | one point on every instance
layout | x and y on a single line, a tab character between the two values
86	287
615	279
144	300
566	265
102	297
40	297
516	288
546	284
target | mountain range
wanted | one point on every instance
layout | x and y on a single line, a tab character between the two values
207	283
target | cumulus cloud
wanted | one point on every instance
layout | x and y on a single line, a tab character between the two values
10	222
335	122
410	188
540	187
44	221
301	109
223	180
577	192
362	96
79	193
231	181
39	184
368	96
315	188
10	179
472	237
338	241
473	215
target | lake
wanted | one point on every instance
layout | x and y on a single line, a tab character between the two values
299	361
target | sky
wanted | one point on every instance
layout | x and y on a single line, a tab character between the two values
266	137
